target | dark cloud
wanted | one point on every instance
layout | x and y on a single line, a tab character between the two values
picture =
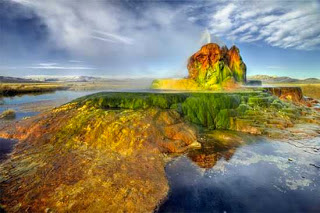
21	31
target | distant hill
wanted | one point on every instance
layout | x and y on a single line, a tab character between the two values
311	80
283	79
46	78
6	79
74	79
65	78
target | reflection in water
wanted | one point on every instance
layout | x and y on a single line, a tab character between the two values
216	145
265	176
208	160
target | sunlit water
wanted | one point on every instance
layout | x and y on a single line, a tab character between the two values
31	101
264	176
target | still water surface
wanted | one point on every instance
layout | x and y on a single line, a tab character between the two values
28	105
263	176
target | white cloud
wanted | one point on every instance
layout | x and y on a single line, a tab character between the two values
47	64
75	61
125	38
83	26
221	21
56	66
60	68
118	37
103	39
284	24
115	38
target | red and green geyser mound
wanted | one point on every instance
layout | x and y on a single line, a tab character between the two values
211	68
213	65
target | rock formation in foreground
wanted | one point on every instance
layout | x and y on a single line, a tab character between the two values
211	68
107	152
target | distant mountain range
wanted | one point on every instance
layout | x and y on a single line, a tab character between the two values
48	78
5	79
44	78
283	79
38	79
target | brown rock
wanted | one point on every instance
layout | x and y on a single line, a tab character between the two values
293	94
180	132
91	160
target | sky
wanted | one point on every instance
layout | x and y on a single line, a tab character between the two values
149	38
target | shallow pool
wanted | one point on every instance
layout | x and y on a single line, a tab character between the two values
264	176
28	105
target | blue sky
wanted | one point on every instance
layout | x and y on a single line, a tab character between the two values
155	38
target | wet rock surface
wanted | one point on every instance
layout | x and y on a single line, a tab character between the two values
77	158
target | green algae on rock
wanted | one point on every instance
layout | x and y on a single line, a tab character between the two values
240	111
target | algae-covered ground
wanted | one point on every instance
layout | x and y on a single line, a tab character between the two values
253	112
106	152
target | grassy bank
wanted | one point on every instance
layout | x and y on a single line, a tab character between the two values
11	89
311	90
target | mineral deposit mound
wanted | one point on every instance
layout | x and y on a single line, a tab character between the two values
212	67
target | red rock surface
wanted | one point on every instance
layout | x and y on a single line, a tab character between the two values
208	55
293	94
214	64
